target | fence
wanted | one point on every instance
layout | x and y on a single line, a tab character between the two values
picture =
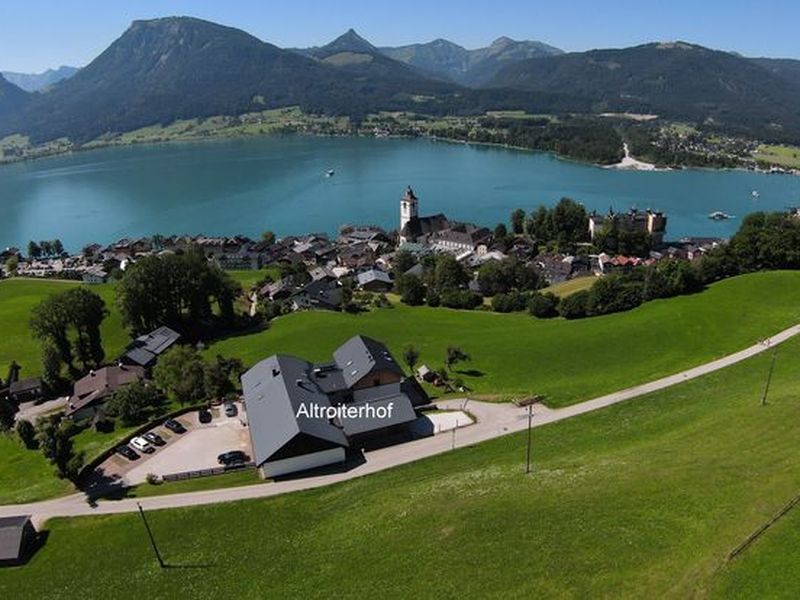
206	472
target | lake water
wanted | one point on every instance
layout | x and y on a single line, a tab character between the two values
278	183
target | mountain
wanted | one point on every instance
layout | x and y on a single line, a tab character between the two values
180	67
468	67
12	98
672	79
785	68
35	82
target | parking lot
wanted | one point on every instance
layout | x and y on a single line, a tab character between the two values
194	450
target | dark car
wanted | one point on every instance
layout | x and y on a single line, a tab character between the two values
233	457
174	426
204	415
230	409
154	438
127	452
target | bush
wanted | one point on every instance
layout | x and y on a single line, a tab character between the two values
461	299
433	298
543	306
27	434
153	479
511	302
574	306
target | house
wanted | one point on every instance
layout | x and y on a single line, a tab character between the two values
323	294
654	223
374	280
461	237
17	540
91	391
145	349
25	390
357	256
94	275
303	415
278	290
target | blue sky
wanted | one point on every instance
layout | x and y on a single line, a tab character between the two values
36	34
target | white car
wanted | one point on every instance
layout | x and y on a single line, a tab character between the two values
142	445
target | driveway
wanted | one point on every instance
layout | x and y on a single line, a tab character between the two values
195	450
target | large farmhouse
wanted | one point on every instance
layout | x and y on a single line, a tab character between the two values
303	415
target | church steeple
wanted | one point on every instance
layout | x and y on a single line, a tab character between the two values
409	209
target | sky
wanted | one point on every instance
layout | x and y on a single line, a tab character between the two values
38	34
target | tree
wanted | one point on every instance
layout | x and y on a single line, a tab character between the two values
51	366
7	411
543	306
54	440
27	434
454	355
410	356
34	250
575	305
57	247
268	238
70	321
403	261
11	264
518	221
449	274
132	403
218	376
411	289
180	373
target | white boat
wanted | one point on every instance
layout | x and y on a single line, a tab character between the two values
755	194
330	173
718	215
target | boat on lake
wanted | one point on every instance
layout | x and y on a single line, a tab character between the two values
330	173
718	215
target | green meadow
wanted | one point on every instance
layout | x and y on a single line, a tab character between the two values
643	499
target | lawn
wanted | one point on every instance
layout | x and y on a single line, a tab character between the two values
17	299
643	499
567	361
25	475
565	288
785	156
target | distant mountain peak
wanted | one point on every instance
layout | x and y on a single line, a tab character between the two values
502	41
349	41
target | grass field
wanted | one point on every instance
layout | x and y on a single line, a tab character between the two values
17	299
516	355
565	288
643	499
25	475
785	156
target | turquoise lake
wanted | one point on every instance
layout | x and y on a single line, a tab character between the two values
278	183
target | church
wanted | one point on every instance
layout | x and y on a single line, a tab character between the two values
437	230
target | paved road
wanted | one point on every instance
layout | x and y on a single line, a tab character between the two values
494	420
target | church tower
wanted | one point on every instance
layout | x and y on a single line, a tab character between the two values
409	208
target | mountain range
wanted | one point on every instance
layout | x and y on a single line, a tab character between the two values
35	82
472	68
171	68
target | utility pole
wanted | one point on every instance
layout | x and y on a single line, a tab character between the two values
769	376
152	539
528	452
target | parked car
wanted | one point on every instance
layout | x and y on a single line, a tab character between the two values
154	438
232	457
126	451
204	415
142	445
174	426
230	409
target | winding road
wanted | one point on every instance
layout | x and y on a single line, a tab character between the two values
493	420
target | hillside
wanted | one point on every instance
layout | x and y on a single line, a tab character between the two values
34	82
785	68
640	500
671	79
12	98
179	67
447	60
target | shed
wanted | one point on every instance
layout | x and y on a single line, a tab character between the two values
17	540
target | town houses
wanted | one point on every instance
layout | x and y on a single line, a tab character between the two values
317	271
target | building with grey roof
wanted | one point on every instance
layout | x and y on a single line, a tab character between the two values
17	540
145	349
374	280
303	415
